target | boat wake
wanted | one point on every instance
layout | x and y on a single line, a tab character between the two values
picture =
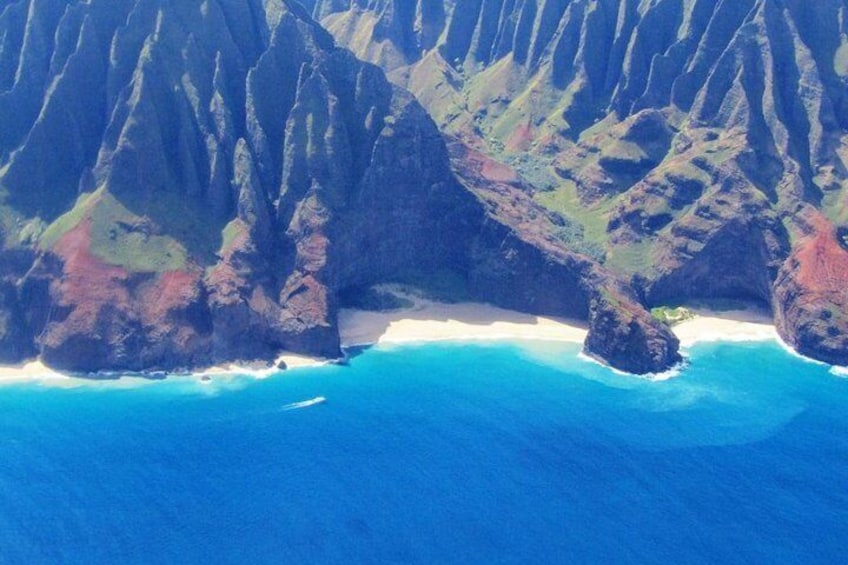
305	403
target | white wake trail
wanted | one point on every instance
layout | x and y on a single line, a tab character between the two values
305	403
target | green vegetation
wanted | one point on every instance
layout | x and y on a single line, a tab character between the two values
8	227
791	228
588	235
141	233
10	219
121	238
534	170
678	171
840	61
632	258
626	151
71	219
835	206
565	202
157	231
672	316
31	232
572	235
614	301
231	231
718	153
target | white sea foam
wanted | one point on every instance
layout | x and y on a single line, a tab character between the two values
839	371
655	377
788	348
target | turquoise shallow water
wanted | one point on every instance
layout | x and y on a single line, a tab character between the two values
446	453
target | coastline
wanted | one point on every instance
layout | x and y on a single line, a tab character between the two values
31	371
430	321
427	321
737	325
262	370
36	371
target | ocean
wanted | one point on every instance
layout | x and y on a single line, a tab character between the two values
436	453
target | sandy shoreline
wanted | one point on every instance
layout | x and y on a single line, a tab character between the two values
435	321
30	371
36	371
730	325
428	321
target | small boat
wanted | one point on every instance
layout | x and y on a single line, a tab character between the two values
305	403
316	400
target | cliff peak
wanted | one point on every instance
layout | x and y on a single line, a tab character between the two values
184	183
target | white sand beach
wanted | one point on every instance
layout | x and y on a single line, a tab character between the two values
730	325
426	321
435	321
30	371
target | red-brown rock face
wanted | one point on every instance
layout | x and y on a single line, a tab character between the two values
811	295
185	183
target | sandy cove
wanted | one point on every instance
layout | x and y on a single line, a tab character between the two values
730	325
435	321
427	321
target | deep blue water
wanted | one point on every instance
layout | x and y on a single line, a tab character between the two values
445	453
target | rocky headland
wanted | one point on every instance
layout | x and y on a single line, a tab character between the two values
695	148
185	183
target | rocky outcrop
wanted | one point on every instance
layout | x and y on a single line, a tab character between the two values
518	262
619	333
186	183
690	138
14	344
811	297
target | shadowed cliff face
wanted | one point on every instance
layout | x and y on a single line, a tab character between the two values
187	182
691	139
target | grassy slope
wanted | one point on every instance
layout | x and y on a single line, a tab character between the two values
156	233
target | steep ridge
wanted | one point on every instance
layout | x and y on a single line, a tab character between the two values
693	140
186	182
